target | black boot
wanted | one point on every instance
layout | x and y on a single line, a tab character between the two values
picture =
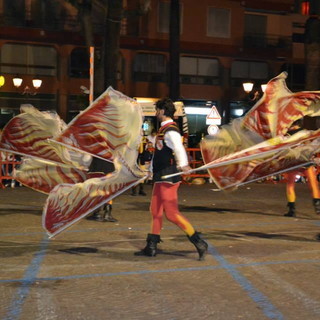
292	210
134	191
316	204
141	191
97	216
151	247
107	213
200	244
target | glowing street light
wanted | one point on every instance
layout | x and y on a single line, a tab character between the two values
37	83
17	82
263	87
2	81
247	86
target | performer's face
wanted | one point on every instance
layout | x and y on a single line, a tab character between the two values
159	114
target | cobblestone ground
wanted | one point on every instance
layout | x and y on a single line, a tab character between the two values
260	264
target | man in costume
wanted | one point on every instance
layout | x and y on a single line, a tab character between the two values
311	175
169	157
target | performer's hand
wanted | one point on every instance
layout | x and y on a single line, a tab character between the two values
185	169
149	175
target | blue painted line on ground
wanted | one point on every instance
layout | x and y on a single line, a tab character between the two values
258	297
126	273
27	280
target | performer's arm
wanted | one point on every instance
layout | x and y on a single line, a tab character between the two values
173	141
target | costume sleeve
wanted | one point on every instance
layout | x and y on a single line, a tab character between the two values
173	141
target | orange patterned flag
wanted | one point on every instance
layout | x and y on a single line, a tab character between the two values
278	108
111	129
57	157
239	151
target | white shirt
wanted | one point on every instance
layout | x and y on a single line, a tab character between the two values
173	141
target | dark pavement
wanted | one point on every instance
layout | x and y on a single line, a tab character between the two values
260	264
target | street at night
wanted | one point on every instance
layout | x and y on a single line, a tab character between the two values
260	264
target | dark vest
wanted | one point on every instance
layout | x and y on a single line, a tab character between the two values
163	160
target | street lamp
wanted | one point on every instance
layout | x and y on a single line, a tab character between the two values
263	87
17	82
247	86
2	81
37	83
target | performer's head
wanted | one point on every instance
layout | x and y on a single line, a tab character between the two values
165	109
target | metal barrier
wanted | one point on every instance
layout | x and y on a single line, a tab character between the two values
8	162
195	161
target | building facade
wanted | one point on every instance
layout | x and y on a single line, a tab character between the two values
223	43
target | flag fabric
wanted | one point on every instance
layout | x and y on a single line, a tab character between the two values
112	121
68	203
261	160
111	129
263	128
28	134
44	163
278	108
44	176
56	157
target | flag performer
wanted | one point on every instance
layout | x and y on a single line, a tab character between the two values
311	175
169	156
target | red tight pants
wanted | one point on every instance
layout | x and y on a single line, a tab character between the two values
312	182
165	199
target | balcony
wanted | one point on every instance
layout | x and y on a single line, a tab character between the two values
263	41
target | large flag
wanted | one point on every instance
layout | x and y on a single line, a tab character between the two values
112	121
57	157
117	128
44	176
278	108
262	129
68	203
261	160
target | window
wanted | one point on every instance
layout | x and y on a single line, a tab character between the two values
248	70
296	76
79	63
199	71
150	67
218	23
255	27
164	17
28	59
255	24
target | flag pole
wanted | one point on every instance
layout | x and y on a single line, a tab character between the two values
91	74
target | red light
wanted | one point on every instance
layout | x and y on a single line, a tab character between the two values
305	8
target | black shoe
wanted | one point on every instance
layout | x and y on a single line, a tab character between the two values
318	237
200	244
107	213
291	211
96	216
110	218
142	193
150	249
316	204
